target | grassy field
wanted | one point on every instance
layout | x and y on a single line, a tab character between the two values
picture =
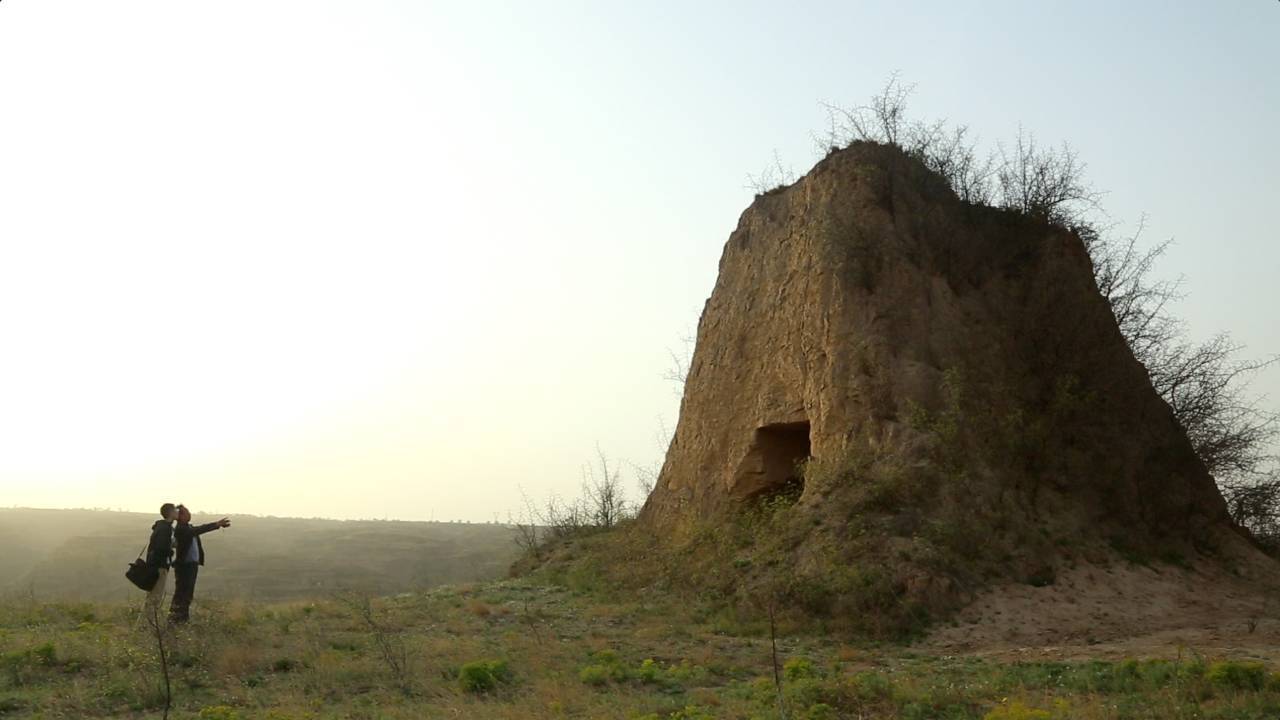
81	555
530	649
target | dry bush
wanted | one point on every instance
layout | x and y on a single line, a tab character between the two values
238	660
1048	183
1044	183
774	177
602	505
606	503
529	535
389	640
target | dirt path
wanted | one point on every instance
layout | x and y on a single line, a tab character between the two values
1124	610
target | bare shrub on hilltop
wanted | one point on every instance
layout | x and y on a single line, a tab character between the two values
1207	387
1255	503
1122	270
1044	183
773	177
529	533
606	503
563	518
1048	183
1205	384
601	505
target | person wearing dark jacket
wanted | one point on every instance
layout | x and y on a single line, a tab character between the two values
187	559
159	556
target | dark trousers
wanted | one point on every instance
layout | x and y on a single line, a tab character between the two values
183	590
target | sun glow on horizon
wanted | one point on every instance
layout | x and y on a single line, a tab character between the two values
406	259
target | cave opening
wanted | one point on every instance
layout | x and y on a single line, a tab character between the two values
773	463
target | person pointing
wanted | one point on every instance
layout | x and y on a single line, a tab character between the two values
187	558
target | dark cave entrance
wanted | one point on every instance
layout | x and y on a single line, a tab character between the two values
772	464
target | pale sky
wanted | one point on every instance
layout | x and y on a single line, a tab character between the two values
397	258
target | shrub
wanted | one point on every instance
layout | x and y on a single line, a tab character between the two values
289	715
15	665
18	665
688	712
1238	675
218	712
1158	672
686	672
649	672
1192	670
820	711
1016	711
44	655
798	669
606	667
482	676
870	686
810	691
605	657
594	675
692	712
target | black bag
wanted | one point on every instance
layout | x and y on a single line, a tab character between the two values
142	574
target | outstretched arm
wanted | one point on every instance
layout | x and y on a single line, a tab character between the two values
202	529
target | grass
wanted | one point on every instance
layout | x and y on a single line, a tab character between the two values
545	651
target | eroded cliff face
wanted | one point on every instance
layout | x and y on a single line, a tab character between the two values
863	296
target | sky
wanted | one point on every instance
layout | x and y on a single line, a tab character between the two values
410	259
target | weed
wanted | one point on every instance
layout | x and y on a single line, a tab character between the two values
595	675
483	676
20	666
649	672
1016	711
479	608
1237	675
798	669
820	711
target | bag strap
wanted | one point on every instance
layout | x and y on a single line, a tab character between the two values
145	548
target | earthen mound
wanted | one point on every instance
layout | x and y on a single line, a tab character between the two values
898	399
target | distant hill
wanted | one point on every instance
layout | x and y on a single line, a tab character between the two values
82	555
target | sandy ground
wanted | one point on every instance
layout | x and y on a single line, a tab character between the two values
1126	610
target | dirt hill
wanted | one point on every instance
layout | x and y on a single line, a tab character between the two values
898	400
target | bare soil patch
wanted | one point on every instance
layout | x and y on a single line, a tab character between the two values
1125	610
